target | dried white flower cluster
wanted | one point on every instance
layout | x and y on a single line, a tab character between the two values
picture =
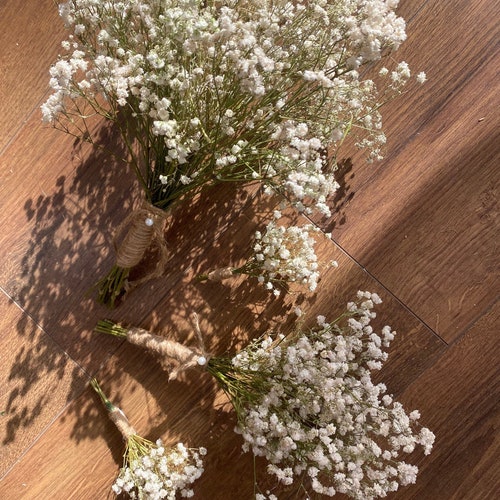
307	403
286	254
225	86
150	471
161	473
237	90
282	254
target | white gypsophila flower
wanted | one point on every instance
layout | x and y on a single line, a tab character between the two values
150	471
284	254
154	472
421	77
308	404
281	254
231	73
224	92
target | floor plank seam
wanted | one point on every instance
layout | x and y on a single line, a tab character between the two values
44	331
395	297
25	120
406	307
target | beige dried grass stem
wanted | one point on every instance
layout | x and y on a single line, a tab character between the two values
122	423
221	274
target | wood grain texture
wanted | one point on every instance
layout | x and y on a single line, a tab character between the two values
32	393
29	44
50	237
434	244
465	409
420	229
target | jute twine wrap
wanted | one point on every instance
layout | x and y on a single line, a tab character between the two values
121	421
169	350
223	273
145	225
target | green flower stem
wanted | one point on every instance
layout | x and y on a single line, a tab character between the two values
111	328
112	286
97	388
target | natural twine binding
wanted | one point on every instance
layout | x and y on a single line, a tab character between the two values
139	238
169	350
223	273
121	421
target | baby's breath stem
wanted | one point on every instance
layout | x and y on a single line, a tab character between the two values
97	388
111	328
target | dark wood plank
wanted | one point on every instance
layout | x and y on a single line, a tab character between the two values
30	41
462	392
70	445
442	225
38	380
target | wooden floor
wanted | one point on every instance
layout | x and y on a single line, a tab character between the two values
420	228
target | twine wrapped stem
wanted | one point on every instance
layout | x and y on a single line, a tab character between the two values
115	414
220	274
166	350
144	226
161	346
122	423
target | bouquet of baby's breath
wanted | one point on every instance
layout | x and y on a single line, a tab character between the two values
150	471
282	254
306	402
208	92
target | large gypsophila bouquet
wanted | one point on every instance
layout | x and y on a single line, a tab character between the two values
307	403
150	470
206	92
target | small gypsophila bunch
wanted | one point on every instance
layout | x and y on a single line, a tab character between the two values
306	402
210	92
150	470
281	254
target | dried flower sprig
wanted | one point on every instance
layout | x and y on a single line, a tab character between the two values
210	92
281	255
150	471
307	403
